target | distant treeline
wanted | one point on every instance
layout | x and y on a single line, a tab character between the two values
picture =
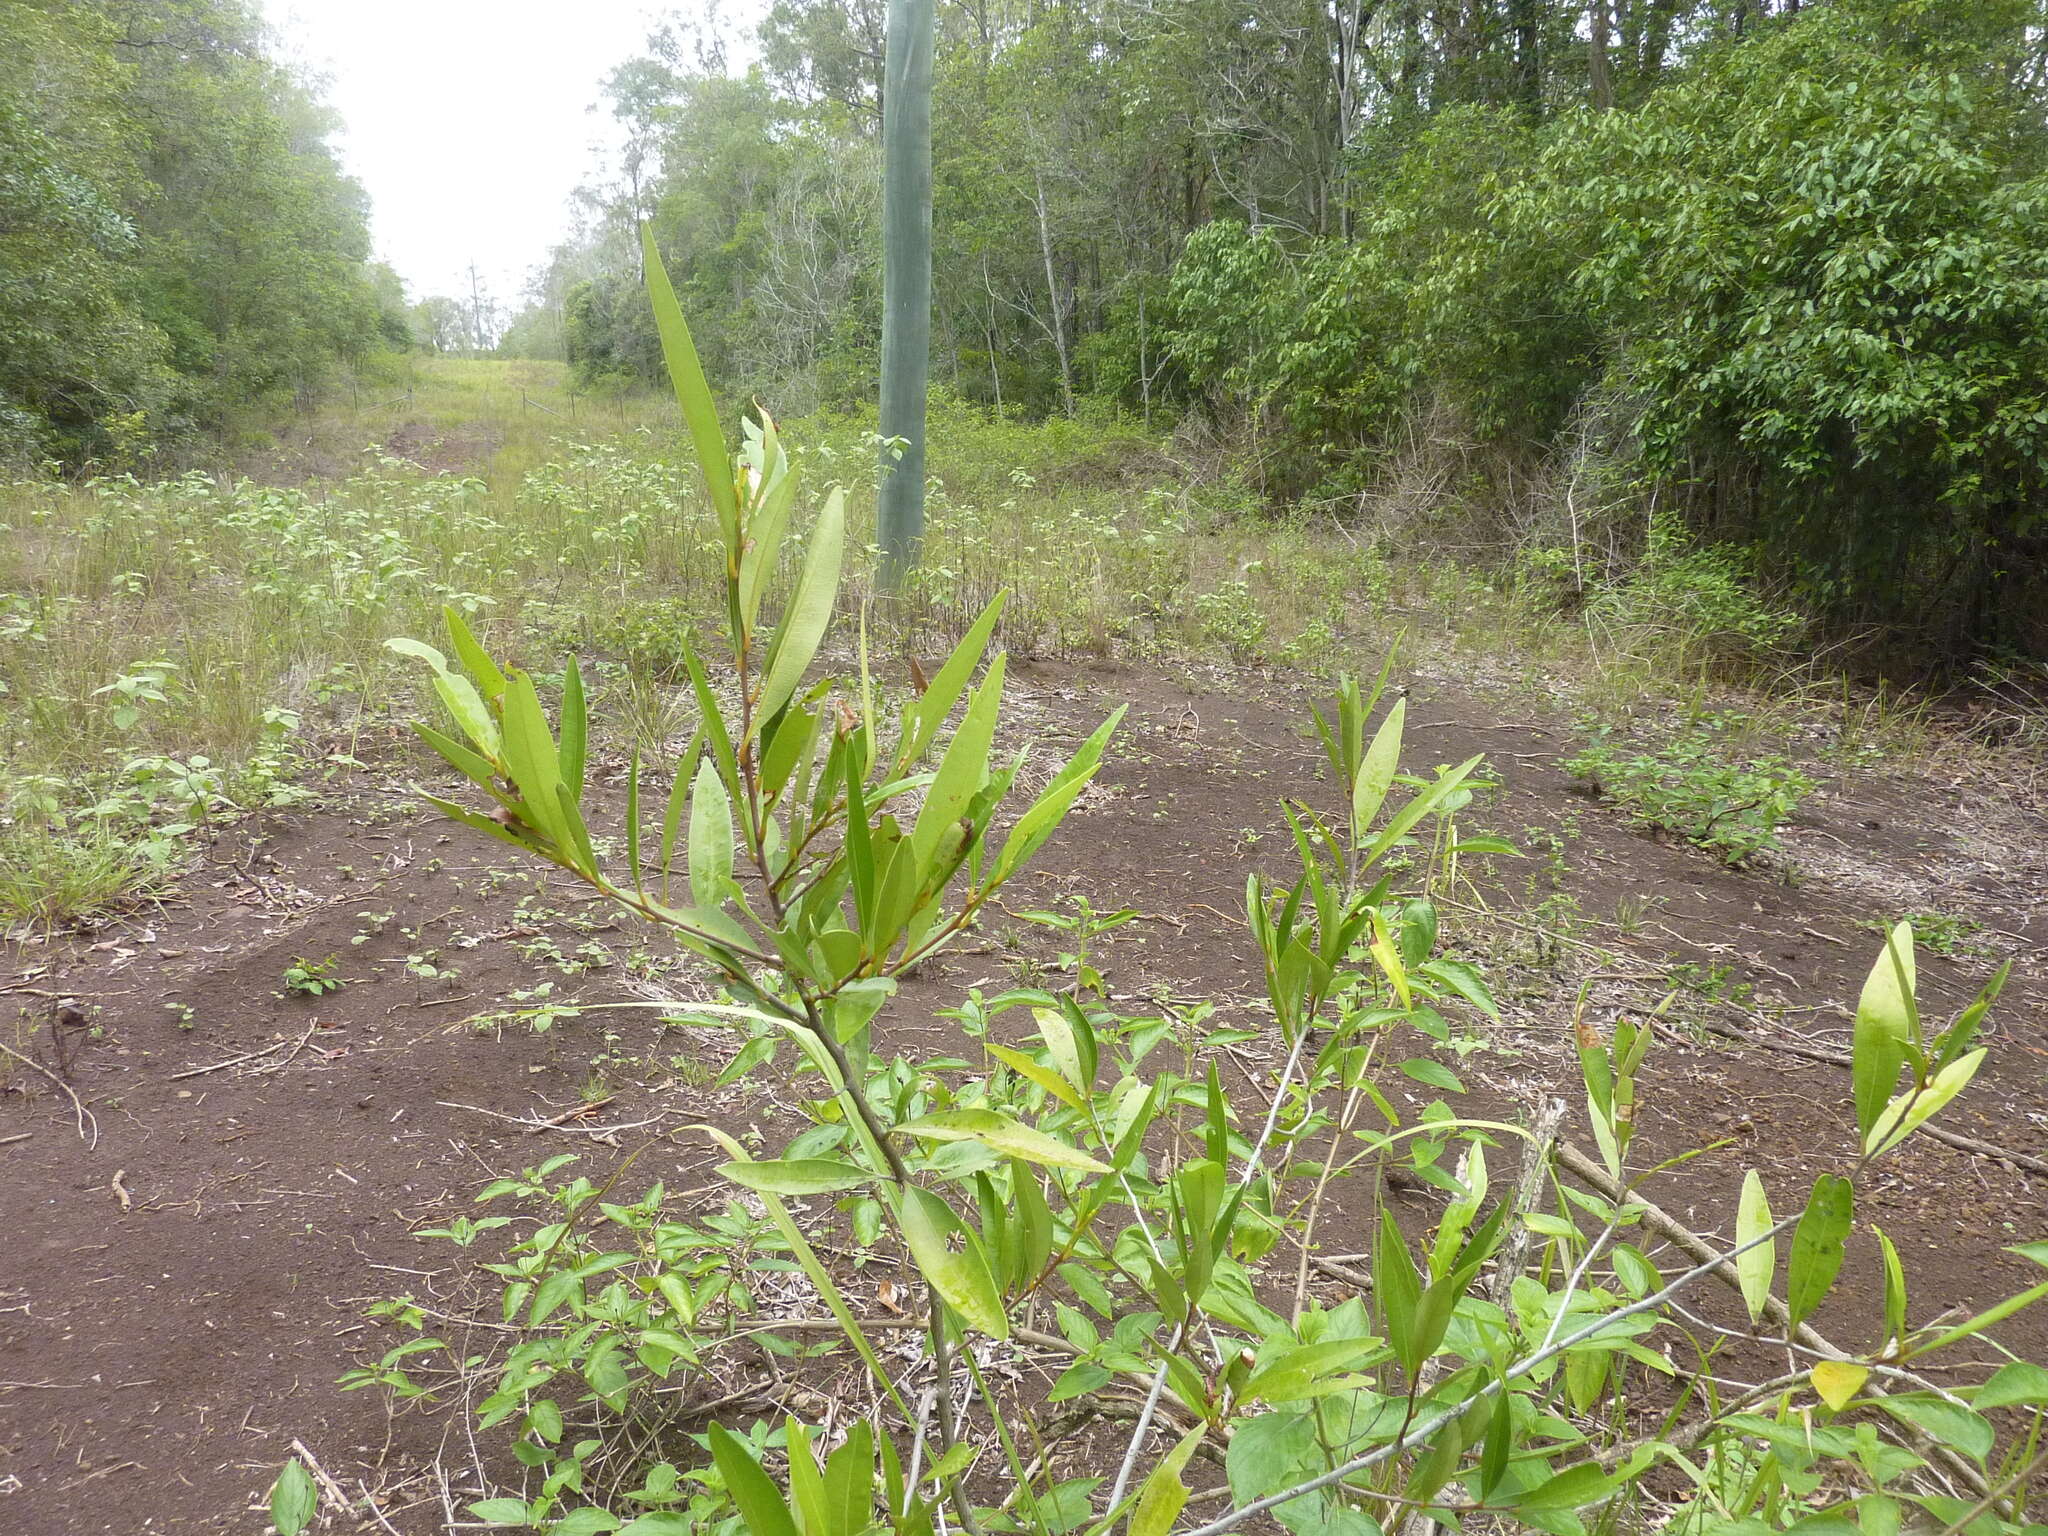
175	236
1773	272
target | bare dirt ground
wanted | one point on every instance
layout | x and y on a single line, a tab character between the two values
182	1282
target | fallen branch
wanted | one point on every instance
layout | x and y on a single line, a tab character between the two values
85	1116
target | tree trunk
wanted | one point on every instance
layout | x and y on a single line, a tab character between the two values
1599	82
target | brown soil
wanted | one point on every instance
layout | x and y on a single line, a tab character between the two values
181	1293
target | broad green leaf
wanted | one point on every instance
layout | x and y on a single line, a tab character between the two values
1376	772
1957	1428
760	1505
801	629
1755	1268
1817	1246
693	394
502	1511
1000	1132
1310	1370
1573	1488
2012	1384
961	1277
294	1500
1837	1381
1884	1023
711	839
1915	1107
588	1521
797	1175
530	754
1399	1289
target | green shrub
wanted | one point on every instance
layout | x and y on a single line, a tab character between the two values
1691	784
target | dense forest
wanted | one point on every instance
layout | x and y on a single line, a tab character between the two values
1771	271
176	239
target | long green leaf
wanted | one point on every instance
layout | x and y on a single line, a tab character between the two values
797	1176
711	839
760	1506
925	714
998	1131
1915	1107
1376	772
693	394
1884	1023
1756	1268
963	768
1817	1246
803	624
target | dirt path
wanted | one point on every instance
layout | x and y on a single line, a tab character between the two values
177	1300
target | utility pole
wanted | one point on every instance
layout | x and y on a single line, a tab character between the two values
906	278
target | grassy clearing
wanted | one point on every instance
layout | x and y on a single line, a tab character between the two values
171	652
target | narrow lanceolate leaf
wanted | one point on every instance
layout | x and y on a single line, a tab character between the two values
693	394
1915	1107
961	1277
459	697
963	769
1046	813
797	1175
1755	1268
1884	1024
575	730
1817	1245
711	841
802	629
923	717
1010	1137
472	655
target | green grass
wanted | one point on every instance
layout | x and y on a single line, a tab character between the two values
561	523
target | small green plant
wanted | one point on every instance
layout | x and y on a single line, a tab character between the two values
1083	926
312	978
1948	934
1691	785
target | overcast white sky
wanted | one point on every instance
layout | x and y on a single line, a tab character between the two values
467	120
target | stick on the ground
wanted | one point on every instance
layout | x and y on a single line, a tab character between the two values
236	1061
85	1116
328	1486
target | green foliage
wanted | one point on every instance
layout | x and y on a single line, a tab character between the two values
1092	1171
175	237
1856	355
1693	784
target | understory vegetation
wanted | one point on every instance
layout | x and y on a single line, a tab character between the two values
1085	1181
174	652
1555	284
